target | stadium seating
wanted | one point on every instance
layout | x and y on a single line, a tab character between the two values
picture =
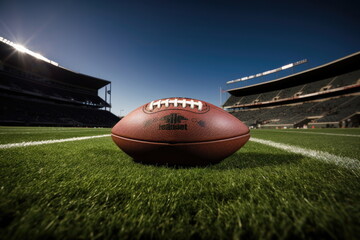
269	96
50	90
340	108
316	86
328	110
26	111
345	79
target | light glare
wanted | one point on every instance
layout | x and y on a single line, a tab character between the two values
20	48
23	49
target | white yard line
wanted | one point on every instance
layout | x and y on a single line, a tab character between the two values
25	144
44	132
346	162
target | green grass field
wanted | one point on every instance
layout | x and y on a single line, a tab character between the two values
90	189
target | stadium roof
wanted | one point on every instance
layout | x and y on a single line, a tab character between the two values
341	66
10	56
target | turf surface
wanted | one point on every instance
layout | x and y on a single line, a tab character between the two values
91	190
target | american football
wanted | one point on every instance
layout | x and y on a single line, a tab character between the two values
180	131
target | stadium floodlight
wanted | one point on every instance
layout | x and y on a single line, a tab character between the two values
287	66
23	49
290	65
20	48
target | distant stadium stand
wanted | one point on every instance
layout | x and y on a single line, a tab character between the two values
38	93
325	96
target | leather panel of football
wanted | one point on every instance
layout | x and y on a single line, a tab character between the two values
190	154
180	125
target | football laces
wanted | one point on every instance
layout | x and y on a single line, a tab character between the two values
176	103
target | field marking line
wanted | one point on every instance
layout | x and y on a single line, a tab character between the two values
26	144
44	132
346	162
320	133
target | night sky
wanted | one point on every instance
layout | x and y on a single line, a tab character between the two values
158	49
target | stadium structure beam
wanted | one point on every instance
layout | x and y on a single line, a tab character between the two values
105	96
110	97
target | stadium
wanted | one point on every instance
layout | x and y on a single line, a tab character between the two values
325	96
62	176
36	91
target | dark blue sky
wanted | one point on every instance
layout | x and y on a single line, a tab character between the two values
156	49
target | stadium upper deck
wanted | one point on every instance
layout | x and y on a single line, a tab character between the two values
338	67
26	62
